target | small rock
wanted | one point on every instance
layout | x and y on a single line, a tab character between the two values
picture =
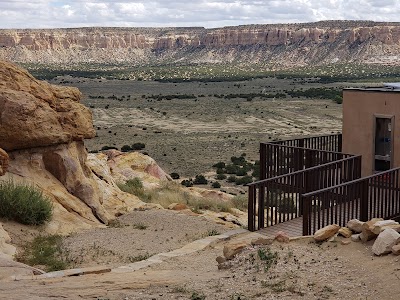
355	237
355	225
385	241
396	249
220	259
282	237
326	232
177	206
230	250
345	242
366	233
262	241
346	232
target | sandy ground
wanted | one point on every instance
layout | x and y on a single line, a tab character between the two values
136	236
304	270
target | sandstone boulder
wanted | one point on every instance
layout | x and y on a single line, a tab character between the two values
326	232
6	250
396	249
230	250
177	206
282	237
380	226
367	234
262	241
4	161
346	232
35	113
355	225
385	241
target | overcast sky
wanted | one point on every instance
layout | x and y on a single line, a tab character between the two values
205	13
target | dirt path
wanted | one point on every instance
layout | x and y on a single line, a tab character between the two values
304	270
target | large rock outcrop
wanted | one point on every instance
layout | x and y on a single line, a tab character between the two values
35	113
320	42
42	127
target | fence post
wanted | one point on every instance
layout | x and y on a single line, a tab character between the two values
364	199
251	222
339	142
263	161
306	214
261	207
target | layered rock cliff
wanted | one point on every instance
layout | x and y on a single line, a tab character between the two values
297	43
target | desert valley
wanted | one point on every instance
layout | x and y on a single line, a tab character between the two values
137	145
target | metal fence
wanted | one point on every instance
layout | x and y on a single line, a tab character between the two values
369	197
277	199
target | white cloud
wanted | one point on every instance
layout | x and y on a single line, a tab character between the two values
207	13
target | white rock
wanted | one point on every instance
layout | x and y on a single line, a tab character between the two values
355	237
385	241
355	225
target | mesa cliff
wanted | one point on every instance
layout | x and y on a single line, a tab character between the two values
299	44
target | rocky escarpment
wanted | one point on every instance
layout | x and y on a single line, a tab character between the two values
42	128
320	42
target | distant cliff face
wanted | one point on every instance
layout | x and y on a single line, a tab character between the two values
320	42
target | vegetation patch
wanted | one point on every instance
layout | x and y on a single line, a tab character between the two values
24	204
45	251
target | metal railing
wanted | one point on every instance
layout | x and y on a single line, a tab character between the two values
365	198
277	199
277	159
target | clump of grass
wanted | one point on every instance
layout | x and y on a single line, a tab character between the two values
212	232
137	258
140	226
240	202
24	204
270	258
135	187
197	296
46	251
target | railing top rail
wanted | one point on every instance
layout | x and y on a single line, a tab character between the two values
349	182
317	150
302	171
308	137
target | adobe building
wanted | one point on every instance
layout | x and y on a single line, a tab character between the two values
370	127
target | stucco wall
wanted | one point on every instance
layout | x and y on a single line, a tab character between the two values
359	110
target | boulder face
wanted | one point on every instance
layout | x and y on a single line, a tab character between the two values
42	127
35	113
3	162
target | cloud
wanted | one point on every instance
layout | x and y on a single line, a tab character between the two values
207	13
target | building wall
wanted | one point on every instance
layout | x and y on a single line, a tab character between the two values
359	110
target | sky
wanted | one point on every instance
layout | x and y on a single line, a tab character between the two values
183	13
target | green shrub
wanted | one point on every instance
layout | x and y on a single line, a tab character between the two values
24	204
108	148
220	176
219	165
241	172
244	180
126	148
232	178
220	171
46	251
200	179
138	146
133	186
174	175
187	183
232	169
216	185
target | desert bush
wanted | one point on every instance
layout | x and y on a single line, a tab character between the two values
108	148
241	172
174	175
231	178
126	148
187	183
135	187
45	251
240	202
220	171
244	180
200	179
138	146
220	176
232	169
216	185
219	165
24	204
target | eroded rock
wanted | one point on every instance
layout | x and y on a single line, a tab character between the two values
326	232
4	161
355	225
385	241
230	250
